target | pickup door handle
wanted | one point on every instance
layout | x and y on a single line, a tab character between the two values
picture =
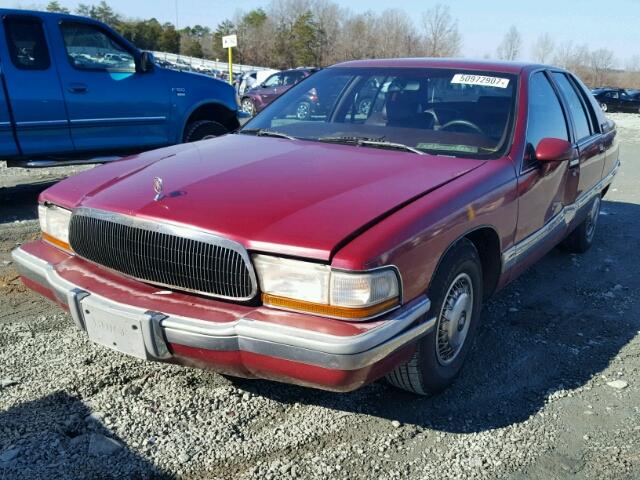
77	88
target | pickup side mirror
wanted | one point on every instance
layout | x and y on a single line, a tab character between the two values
146	62
554	150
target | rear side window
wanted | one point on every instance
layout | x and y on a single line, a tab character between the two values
26	42
546	118
576	107
89	48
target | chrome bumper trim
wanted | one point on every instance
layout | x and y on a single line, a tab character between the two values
245	334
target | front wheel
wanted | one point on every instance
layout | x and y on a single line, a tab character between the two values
604	107
247	106
456	301
581	239
303	111
203	130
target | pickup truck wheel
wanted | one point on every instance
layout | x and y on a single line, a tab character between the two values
581	239
456	301
203	130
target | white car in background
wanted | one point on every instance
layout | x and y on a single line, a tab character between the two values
254	78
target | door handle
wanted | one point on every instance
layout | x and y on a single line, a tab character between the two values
601	147
77	88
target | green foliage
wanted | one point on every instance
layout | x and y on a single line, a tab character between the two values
56	7
169	40
304	39
193	48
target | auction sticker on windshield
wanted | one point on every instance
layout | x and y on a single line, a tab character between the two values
482	80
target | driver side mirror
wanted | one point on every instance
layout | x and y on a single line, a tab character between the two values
146	62
554	150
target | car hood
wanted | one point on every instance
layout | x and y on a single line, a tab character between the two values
292	197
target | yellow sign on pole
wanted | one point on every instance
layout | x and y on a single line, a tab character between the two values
228	42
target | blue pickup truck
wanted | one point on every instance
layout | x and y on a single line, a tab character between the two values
74	90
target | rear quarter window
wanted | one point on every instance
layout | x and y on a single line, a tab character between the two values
26	43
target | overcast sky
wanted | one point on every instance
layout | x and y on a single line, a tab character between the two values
600	24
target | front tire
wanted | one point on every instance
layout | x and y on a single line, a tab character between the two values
604	107
581	239
456	301
248	106
203	130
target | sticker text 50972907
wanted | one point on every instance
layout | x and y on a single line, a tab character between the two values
481	80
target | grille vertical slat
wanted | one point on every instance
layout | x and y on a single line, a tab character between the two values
162	258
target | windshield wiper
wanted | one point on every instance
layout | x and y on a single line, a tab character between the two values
265	132
370	142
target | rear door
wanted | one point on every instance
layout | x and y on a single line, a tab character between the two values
111	105
33	88
588	139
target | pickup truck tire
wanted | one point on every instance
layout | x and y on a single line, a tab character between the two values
456	302
581	239
203	129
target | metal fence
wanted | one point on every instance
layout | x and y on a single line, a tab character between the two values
201	63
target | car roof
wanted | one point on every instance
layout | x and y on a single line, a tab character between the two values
463	64
39	13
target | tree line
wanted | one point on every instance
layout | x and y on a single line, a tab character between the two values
291	33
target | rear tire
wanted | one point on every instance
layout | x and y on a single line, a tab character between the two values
581	239
604	107
203	130
456	301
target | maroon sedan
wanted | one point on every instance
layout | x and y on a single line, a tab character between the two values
254	100
332	251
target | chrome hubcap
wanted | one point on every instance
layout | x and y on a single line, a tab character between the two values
604	107
247	106
454	319
592	219
303	111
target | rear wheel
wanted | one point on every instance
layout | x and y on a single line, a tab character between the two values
203	130
604	107
581	239
456	296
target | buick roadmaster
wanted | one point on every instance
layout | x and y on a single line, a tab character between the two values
337	248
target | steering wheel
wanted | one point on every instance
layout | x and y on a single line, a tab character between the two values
465	123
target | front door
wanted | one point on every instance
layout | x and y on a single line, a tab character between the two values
35	99
543	190
111	105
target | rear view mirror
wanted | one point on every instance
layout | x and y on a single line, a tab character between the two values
554	150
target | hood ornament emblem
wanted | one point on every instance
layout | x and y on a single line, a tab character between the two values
158	187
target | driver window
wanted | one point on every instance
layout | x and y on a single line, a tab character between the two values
546	118
89	48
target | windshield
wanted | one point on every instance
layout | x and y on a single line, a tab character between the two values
441	111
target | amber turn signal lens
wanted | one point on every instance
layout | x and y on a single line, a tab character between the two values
357	313
54	241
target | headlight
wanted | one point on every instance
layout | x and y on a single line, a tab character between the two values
54	223
318	289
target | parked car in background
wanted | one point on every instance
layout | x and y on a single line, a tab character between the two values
338	249
255	99
617	100
253	79
75	90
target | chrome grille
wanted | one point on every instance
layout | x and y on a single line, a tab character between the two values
162	254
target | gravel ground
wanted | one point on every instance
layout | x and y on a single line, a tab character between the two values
551	389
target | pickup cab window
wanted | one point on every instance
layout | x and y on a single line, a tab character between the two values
546	118
575	105
26	42
90	48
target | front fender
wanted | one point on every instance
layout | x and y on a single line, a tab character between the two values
416	237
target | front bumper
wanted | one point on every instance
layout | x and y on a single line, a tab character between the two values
253	342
